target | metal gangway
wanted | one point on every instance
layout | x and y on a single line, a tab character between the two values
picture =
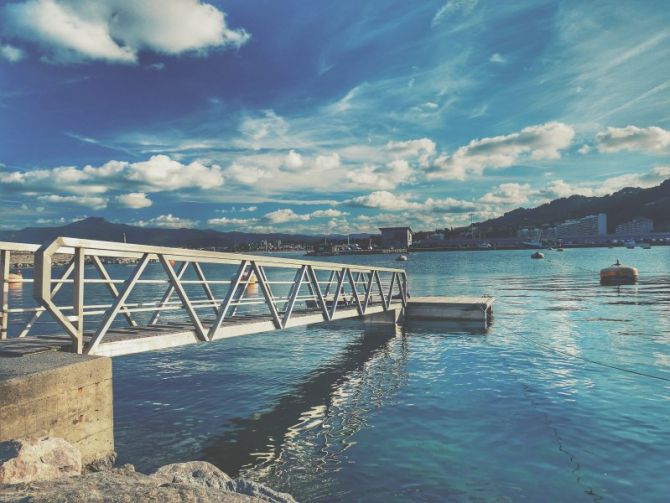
108	298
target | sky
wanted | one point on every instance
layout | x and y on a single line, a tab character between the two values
325	117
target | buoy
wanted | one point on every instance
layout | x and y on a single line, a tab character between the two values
618	274
537	255
248	277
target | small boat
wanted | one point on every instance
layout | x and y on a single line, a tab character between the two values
537	255
485	245
559	249
618	274
630	244
646	246
533	244
402	258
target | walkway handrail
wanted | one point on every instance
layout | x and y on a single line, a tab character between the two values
347	285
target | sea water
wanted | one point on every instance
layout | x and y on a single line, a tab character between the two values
565	398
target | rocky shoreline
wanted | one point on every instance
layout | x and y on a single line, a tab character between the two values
48	470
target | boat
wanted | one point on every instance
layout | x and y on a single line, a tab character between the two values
401	258
646	246
485	245
630	244
559	249
618	274
537	255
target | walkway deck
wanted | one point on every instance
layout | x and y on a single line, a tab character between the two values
124	341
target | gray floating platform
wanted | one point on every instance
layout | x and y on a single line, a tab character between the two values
451	308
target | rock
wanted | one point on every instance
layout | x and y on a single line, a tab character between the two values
99	465
262	492
31	460
204	474
199	473
117	486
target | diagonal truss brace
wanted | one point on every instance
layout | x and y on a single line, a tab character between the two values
186	302
118	304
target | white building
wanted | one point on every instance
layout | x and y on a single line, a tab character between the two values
592	225
636	226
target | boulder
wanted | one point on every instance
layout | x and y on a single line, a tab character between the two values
204	474
250	488
197	473
36	459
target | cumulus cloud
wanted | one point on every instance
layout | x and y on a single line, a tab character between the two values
134	200
421	149
157	174
508	193
632	138
117	30
381	177
387	201
11	53
383	200
167	222
539	142
283	216
94	202
293	160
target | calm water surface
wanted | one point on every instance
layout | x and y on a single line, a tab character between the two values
566	398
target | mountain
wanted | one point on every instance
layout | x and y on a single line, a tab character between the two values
620	207
101	229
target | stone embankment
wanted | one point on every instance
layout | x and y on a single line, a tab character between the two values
50	470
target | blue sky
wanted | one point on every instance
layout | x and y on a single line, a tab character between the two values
307	116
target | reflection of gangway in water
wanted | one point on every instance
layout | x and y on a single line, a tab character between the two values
192	285
310	425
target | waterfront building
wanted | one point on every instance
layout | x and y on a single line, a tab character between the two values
636	226
591	225
396	237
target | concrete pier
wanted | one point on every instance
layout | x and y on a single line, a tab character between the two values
59	394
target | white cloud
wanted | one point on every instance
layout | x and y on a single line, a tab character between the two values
451	6
283	216
157	174
384	200
247	175
117	30
162	173
534	142
631	138
11	53
498	58
293	160
225	221
265	131
508	194
167	222
94	202
327	162
329	213
381	177
421	149
134	200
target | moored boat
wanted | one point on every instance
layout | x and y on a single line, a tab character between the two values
537	255
401	258
618	274
15	277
